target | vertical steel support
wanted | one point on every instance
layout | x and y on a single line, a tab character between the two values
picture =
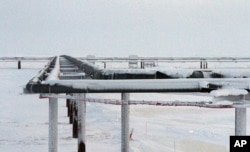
68	106
240	121
125	123
81	122
75	121
204	64
105	66
142	64
19	65
67	102
70	111
53	119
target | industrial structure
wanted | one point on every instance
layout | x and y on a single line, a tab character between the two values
72	78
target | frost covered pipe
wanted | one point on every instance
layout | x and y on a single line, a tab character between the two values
163	85
23	58
174	59
89	69
125	123
42	73
81	122
55	72
53	119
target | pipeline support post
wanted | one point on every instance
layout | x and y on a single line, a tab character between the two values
105	65
19	65
70	111
81	122
53	120
241	118
75	119
125	122
240	121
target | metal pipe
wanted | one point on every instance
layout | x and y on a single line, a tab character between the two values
117	86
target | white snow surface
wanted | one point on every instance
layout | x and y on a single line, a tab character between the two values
56	70
228	92
24	121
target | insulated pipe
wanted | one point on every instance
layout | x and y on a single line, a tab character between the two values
88	68
56	70
81	122
125	123
36	81
53	120
163	85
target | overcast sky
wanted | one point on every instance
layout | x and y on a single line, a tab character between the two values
124	27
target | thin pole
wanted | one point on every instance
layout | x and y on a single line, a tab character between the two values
105	66
75	120
125	123
70	111
19	65
81	122
53	120
240	121
67	102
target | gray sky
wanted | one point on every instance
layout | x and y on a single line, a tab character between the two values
124	27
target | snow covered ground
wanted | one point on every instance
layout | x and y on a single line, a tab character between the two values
24	121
